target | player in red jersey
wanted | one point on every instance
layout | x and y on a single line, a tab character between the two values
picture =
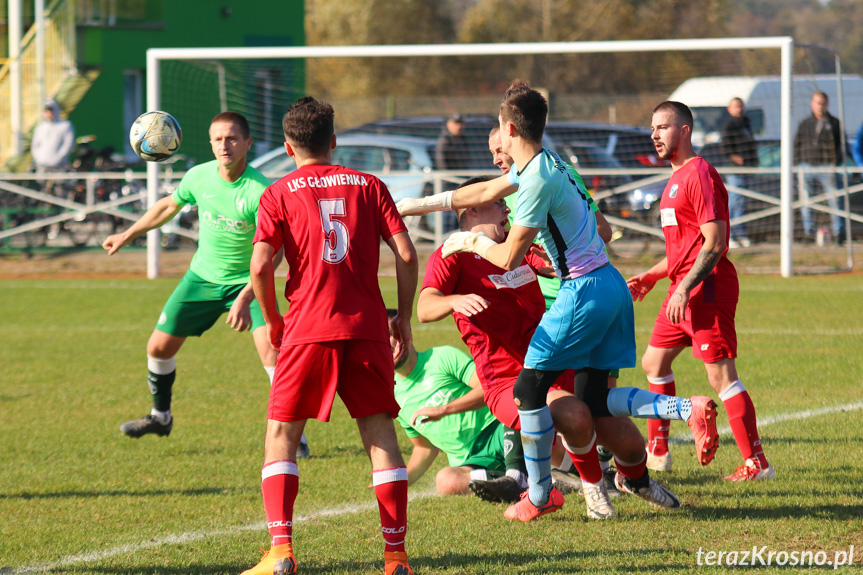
497	312
701	302
335	336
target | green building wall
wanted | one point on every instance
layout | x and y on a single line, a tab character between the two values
191	91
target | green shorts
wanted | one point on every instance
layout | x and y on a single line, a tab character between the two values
196	304
488	449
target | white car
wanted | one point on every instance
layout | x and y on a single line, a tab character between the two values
403	163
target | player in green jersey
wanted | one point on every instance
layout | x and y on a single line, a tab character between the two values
227	191
442	409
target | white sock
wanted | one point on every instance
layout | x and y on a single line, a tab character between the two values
519	477
566	463
480	474
162	417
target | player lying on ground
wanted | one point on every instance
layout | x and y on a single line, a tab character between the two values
335	336
702	299
497	313
442	409
552	205
226	191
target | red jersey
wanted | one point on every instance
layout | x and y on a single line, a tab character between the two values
498	336
694	196
330	220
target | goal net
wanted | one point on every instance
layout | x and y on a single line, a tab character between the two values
392	105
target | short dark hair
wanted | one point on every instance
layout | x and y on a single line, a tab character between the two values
526	108
735	99
308	125
391	313
474	180
495	129
820	93
234	118
681	111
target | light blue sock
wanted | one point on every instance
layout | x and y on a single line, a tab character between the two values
537	435
636	402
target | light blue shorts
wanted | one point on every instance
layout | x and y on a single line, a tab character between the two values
591	324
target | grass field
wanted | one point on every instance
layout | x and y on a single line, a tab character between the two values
78	497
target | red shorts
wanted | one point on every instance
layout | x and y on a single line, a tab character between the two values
502	405
707	327
308	376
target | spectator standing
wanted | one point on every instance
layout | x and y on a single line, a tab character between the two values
818	144
738	147
53	140
451	151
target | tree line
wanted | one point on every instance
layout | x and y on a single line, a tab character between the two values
835	25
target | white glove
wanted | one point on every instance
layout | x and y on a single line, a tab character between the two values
477	243
428	204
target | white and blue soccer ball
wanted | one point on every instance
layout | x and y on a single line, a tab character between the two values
155	136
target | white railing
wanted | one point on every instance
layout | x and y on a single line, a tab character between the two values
125	201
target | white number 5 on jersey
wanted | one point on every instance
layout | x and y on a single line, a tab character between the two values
336	237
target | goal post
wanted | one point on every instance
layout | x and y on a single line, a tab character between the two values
156	57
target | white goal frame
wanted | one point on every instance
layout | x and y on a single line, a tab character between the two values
784	44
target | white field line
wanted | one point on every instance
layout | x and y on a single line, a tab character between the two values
190	537
791	331
193	536
782	417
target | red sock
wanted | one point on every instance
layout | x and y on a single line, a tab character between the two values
741	419
657	429
586	461
391	489
630	470
280	482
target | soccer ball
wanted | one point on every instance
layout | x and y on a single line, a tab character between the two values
155	136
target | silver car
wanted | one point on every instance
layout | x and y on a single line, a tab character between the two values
403	163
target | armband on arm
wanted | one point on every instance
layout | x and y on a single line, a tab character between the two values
428	204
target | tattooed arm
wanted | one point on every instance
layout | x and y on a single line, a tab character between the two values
711	250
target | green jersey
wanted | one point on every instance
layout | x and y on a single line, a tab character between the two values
548	286
227	217
439	377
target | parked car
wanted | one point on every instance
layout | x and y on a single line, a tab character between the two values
631	145
373	153
476	130
403	163
586	156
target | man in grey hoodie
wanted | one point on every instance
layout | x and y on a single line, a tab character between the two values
53	140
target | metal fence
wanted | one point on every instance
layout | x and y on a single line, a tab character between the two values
36	209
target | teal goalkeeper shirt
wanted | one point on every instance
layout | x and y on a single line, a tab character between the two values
548	286
439	377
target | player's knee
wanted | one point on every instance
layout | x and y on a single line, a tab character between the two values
647	363
622	437
572	417
449	481
531	388
163	346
